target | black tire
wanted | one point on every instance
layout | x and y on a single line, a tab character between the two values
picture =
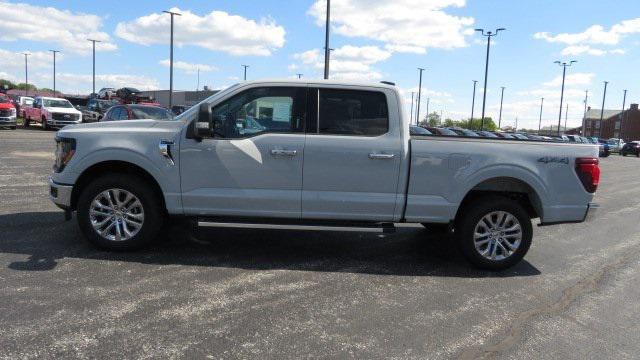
473	213
13	128
154	214
26	122
45	127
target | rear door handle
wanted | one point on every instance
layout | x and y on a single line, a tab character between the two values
377	156
282	152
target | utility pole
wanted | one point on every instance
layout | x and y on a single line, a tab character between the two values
473	100
622	115
516	125
564	73
245	71
326	41
172	14
299	76
420	70
501	98
540	122
604	97
489	35
94	64
428	107
198	84
26	74
584	117
54	70
412	94
566	116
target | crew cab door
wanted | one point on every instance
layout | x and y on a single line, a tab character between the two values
252	167
352	155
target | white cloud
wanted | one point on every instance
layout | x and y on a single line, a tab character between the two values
217	30
188	68
588	50
578	43
347	62
402	25
82	83
572	79
63	28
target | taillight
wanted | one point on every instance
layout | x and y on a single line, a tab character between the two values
589	173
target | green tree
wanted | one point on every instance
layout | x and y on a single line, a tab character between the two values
432	119
23	86
9	84
475	124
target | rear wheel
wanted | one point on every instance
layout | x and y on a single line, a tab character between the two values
494	232
119	212
45	126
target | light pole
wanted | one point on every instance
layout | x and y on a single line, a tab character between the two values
566	116
564	73
428	107
299	76
412	94
604	97
501	98
326	41
473	100
489	35
94	63
54	70
26	74
245	71
172	14
540	121
584	117
624	104
420	70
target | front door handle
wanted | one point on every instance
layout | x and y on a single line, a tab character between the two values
378	156
282	152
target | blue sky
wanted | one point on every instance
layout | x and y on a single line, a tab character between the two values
374	40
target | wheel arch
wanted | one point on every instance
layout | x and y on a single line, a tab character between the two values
510	187
110	167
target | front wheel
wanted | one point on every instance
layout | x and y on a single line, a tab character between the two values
45	126
119	212
494	232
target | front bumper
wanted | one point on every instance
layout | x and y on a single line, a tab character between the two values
62	123
8	121
592	211
60	194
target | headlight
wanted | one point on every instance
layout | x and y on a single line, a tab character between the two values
65	149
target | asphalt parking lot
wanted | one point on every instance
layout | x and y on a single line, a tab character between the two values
293	294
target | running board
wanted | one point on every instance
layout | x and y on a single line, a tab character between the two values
383	228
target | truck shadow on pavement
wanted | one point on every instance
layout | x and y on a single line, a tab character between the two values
46	239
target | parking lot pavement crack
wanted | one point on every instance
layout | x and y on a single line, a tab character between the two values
556	307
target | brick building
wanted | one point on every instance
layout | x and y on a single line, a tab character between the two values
615	123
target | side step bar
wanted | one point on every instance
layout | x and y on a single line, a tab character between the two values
382	228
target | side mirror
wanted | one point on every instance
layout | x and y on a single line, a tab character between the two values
203	125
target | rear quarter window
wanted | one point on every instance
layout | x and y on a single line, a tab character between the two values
353	112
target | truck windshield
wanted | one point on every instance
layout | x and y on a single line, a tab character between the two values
59	103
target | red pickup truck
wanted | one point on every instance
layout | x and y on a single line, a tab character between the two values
7	113
51	113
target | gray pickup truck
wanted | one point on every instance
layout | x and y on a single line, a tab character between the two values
318	155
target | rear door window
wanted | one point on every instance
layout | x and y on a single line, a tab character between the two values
352	112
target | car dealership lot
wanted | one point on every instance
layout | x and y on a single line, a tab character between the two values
291	294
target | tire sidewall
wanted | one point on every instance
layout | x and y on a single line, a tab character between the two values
472	215
153	213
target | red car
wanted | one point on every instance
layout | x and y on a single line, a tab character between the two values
7	113
137	111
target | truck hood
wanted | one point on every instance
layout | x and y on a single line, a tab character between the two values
6	106
124	126
63	110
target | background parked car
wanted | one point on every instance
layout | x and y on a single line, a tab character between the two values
95	109
178	109
418	130
615	145
464	132
485	133
631	148
442	131
137	111
106	93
